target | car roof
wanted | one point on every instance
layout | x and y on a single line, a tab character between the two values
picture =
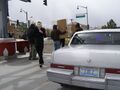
99	30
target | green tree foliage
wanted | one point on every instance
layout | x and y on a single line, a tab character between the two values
23	26
110	25
104	27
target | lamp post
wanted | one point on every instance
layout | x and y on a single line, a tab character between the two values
85	13
26	13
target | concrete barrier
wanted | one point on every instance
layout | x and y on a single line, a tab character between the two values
22	46
7	48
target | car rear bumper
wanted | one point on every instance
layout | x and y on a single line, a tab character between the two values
88	82
60	76
113	81
66	77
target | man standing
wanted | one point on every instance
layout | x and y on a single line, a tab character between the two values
30	35
40	33
55	35
78	27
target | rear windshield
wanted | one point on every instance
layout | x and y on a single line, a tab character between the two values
107	38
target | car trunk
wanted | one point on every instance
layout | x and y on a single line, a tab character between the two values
106	56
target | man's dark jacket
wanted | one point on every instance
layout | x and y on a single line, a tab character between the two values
39	36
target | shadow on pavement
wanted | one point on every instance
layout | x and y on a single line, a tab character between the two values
19	61
74	88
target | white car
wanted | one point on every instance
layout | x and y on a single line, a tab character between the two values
91	60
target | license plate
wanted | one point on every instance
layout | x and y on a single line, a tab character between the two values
89	72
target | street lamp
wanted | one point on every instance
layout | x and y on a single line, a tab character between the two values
85	13
26	13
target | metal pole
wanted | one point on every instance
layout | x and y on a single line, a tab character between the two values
86	14
26	13
27	19
87	17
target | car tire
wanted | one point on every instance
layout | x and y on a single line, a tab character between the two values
64	85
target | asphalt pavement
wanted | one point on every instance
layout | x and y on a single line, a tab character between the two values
24	74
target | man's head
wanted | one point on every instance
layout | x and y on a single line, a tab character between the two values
54	27
39	24
77	25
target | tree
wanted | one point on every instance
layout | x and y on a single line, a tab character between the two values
104	27
110	24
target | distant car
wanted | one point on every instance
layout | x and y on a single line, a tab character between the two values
91	60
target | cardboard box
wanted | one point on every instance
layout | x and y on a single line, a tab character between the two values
62	25
73	28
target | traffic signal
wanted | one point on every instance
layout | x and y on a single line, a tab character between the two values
18	23
45	2
29	0
26	0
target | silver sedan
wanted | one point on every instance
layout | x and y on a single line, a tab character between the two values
91	60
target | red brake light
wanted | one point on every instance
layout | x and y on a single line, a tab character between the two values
61	66
114	71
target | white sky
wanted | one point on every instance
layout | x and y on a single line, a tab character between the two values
99	11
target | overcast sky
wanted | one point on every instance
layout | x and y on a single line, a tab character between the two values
99	11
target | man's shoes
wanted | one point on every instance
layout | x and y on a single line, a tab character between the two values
30	58
40	65
34	58
44	66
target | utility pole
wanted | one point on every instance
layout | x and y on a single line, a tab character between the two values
85	13
26	13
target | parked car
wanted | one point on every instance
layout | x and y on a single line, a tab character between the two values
91	60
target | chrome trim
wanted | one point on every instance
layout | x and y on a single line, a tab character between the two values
88	82
59	75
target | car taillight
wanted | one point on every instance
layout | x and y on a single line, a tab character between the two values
61	66
113	71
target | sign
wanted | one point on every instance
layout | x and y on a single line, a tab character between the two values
80	15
